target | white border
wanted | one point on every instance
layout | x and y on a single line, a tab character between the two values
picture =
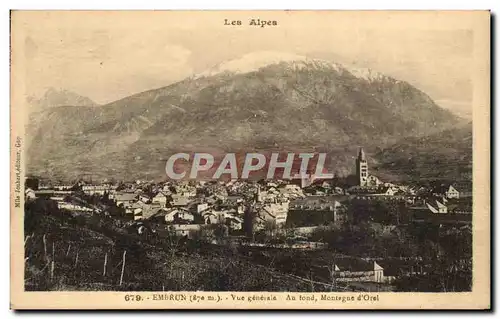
188	4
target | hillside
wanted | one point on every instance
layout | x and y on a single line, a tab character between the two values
66	251
294	105
443	155
58	97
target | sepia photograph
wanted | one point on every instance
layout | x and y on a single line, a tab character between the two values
250	159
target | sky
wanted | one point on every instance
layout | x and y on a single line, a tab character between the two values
110	55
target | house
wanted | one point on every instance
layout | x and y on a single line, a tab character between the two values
441	208
63	187
112	193
423	191
267	196
291	191
138	214
410	190
74	207
326	185
183	217
228	217
367	192
464	189
125	199
49	193
134	208
349	269
169	215
429	213
395	267
146	211
339	212
144	198
452	192
97	189
179	216
435	205
160	198
157	216
234	223
233	200
212	216
185	190
319	192
180	201
363	190
29	194
460	206
316	211
276	211
388	191
373	180
269	184
338	190
292	188
185	229
201	207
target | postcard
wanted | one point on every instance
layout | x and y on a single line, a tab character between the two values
250	160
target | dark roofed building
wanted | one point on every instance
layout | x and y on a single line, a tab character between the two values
125	199
464	188
422	214
461	189
317	201
460	206
316	210
356	269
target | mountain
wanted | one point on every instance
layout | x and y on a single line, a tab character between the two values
459	108
258	102
443	155
58	97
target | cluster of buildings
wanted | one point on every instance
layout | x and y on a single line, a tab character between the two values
188	206
236	206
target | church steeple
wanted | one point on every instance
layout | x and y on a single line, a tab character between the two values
361	154
362	168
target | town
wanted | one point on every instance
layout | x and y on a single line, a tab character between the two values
340	233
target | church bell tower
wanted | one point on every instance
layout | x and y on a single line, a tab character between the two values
362	168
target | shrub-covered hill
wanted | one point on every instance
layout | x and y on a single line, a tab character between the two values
65	252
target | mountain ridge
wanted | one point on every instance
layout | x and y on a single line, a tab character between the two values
278	106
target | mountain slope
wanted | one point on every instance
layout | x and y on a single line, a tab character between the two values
443	155
58	97
294	105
